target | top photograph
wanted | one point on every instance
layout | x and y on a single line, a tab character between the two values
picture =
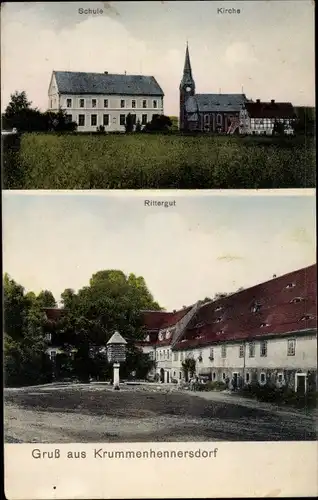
158	95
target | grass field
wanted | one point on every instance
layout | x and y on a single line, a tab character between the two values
48	161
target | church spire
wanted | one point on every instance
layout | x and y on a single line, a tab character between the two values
187	78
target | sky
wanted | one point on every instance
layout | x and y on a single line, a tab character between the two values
209	242
268	48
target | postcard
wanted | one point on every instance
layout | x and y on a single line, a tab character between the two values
158	343
158	95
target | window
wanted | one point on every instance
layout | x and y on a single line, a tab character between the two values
144	103
143	119
207	119
69	118
51	103
218	320
219	119
200	358
81	103
122	121
213	376
241	351
53	355
93	120
180	375
94	102
122	103
105	120
264	325
133	103
263	348
280	378
211	353
262	378
307	317
175	356
219	308
154	104
247	378
223	376
251	350
291	347
223	351
220	332
105	103
81	120
68	103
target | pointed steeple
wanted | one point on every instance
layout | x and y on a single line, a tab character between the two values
187	78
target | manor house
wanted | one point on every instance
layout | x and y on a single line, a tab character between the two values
265	333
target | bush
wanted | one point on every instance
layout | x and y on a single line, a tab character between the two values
279	395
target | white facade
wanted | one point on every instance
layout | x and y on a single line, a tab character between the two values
262	126
294	354
95	110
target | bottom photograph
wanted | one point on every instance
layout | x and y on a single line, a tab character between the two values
155	317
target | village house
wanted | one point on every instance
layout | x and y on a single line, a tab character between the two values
260	118
103	99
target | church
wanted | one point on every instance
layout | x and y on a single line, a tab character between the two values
218	113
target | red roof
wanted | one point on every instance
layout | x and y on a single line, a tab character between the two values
270	110
159	320
285	304
53	313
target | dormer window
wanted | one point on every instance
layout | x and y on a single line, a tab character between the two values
168	334
307	317
218	320
290	285
198	325
219	308
255	307
264	325
160	336
220	332
296	300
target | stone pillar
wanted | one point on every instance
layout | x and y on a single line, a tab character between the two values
116	376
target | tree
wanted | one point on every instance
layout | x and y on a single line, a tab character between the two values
188	367
25	358
129	125
18	103
279	128
138	126
112	301
46	299
159	123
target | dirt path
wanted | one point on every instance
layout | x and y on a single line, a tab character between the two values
95	413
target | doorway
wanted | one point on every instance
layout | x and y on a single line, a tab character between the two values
162	375
301	383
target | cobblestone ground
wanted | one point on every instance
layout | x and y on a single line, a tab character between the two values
95	413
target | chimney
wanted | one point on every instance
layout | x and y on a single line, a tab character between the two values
274	276
272	101
105	72
258	100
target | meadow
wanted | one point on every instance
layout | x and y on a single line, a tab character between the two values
134	161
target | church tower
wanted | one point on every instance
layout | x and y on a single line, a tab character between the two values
186	88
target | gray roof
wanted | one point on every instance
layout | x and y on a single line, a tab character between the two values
70	82
215	102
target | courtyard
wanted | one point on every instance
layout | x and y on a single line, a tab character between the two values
63	413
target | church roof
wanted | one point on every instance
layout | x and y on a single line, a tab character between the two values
215	103
70	82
